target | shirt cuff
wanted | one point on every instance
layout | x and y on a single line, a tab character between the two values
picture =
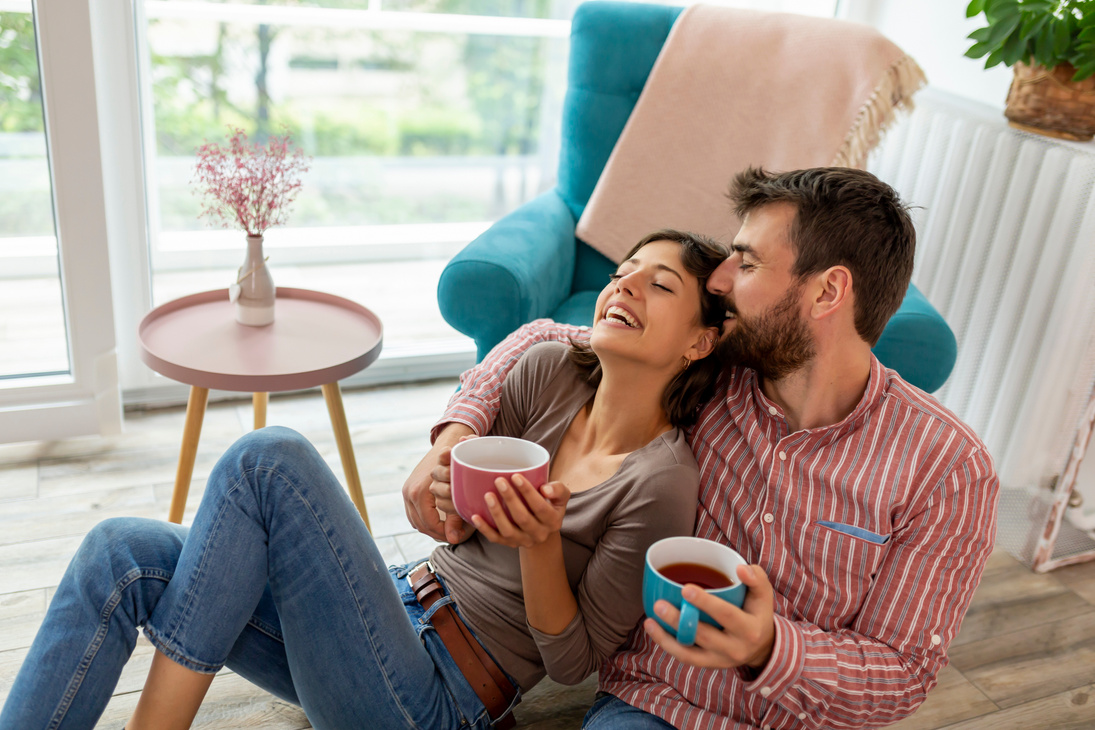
457	414
784	666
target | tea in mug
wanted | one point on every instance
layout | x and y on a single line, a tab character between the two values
703	576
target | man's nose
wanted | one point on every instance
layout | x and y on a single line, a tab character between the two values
721	279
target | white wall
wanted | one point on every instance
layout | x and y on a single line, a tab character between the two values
934	33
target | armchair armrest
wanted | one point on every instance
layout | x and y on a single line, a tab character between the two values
519	270
918	343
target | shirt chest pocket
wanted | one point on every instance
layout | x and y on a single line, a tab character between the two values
842	560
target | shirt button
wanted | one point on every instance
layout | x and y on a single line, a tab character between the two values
802	716
769	518
765	691
936	640
783	456
772	410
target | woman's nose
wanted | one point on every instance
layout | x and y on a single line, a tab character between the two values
627	283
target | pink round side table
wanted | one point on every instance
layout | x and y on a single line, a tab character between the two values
316	339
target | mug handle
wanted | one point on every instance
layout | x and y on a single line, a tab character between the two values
689	622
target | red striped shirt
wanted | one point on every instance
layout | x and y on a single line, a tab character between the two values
873	532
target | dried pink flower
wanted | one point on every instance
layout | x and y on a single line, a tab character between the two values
248	185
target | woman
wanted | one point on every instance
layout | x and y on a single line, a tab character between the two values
279	579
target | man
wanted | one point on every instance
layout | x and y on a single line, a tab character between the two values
865	509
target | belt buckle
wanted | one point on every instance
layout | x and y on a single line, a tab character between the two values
424	564
419	580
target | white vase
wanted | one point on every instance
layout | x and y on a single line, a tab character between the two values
254	291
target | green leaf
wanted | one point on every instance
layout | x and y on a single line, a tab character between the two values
1043	47
980	35
998	10
1013	49
994	58
1061	37
975	7
978	50
1084	72
1000	31
1032	25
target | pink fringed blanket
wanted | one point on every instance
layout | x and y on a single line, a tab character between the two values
733	88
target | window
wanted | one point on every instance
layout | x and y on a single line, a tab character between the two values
425	120
33	337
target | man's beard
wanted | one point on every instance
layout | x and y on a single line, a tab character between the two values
775	344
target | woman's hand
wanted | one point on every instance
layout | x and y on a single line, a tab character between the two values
535	515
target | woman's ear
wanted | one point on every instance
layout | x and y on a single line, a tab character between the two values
705	345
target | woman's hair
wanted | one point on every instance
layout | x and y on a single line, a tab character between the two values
694	385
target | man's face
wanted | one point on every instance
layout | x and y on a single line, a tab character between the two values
765	329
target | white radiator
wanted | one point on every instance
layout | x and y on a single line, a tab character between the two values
1006	252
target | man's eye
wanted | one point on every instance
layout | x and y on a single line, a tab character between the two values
744	266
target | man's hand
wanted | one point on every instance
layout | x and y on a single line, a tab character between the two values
747	633
420	491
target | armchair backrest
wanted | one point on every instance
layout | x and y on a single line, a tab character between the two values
613	46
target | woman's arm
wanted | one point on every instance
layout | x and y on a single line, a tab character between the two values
576	630
532	526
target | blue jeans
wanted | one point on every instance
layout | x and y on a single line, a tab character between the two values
277	578
612	713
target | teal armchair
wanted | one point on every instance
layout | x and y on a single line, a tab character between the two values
530	265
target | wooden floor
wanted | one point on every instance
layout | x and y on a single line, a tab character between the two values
1025	657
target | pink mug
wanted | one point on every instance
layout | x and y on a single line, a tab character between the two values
477	462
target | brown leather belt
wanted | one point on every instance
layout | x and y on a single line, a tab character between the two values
485	677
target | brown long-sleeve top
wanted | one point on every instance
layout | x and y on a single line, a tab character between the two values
605	533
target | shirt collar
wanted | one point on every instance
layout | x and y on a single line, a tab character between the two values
872	396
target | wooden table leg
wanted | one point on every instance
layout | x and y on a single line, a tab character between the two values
195	414
259	401
333	396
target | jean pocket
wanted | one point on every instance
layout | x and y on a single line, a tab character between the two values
861	533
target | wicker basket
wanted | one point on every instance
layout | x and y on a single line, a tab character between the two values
1051	103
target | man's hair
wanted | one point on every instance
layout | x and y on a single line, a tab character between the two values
695	385
843	217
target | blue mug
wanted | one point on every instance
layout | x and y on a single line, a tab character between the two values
674	551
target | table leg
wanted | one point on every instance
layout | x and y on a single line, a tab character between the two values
333	396
195	414
259	401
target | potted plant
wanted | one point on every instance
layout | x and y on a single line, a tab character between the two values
1050	44
250	186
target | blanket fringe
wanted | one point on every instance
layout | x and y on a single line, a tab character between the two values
903	78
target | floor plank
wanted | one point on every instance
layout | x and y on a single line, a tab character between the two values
232	702
952	700
1031	663
1071	710
1080	579
1011	598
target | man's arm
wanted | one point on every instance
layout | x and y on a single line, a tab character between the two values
879	669
471	412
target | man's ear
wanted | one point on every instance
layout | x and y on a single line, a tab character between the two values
705	345
832	291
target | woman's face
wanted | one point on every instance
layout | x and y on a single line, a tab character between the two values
650	311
